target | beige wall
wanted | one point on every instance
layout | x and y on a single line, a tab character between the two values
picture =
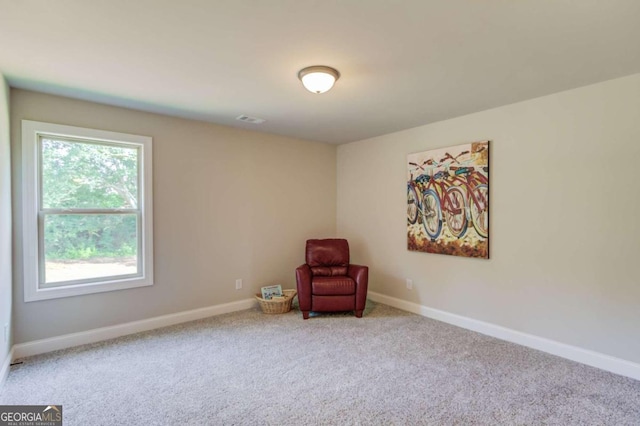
5	220
228	204
565	234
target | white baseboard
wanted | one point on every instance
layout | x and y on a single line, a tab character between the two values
4	372
574	353
36	347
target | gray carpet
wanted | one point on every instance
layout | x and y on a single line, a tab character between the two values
388	368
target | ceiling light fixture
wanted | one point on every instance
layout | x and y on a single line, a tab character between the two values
318	78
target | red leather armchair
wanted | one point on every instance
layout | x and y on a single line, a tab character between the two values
327	282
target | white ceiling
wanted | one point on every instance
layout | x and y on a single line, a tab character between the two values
404	63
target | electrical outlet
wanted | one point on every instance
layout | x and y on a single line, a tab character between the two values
6	333
238	283
409	284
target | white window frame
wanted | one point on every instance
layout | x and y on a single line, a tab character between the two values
33	258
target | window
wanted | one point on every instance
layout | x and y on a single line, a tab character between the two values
87	211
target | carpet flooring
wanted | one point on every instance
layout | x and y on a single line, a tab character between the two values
388	368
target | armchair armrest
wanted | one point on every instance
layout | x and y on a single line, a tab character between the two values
303	282
360	274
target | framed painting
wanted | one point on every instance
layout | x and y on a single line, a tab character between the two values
448	200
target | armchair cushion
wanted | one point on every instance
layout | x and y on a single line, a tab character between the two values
329	271
329	252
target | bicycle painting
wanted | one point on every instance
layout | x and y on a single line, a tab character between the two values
448	200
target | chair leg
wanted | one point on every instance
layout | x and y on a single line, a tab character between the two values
359	314
305	314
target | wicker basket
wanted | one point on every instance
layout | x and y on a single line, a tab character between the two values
277	306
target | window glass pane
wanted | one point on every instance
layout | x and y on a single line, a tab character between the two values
87	175
87	246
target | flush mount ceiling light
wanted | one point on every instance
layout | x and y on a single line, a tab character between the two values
318	78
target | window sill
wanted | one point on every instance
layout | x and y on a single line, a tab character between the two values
33	294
